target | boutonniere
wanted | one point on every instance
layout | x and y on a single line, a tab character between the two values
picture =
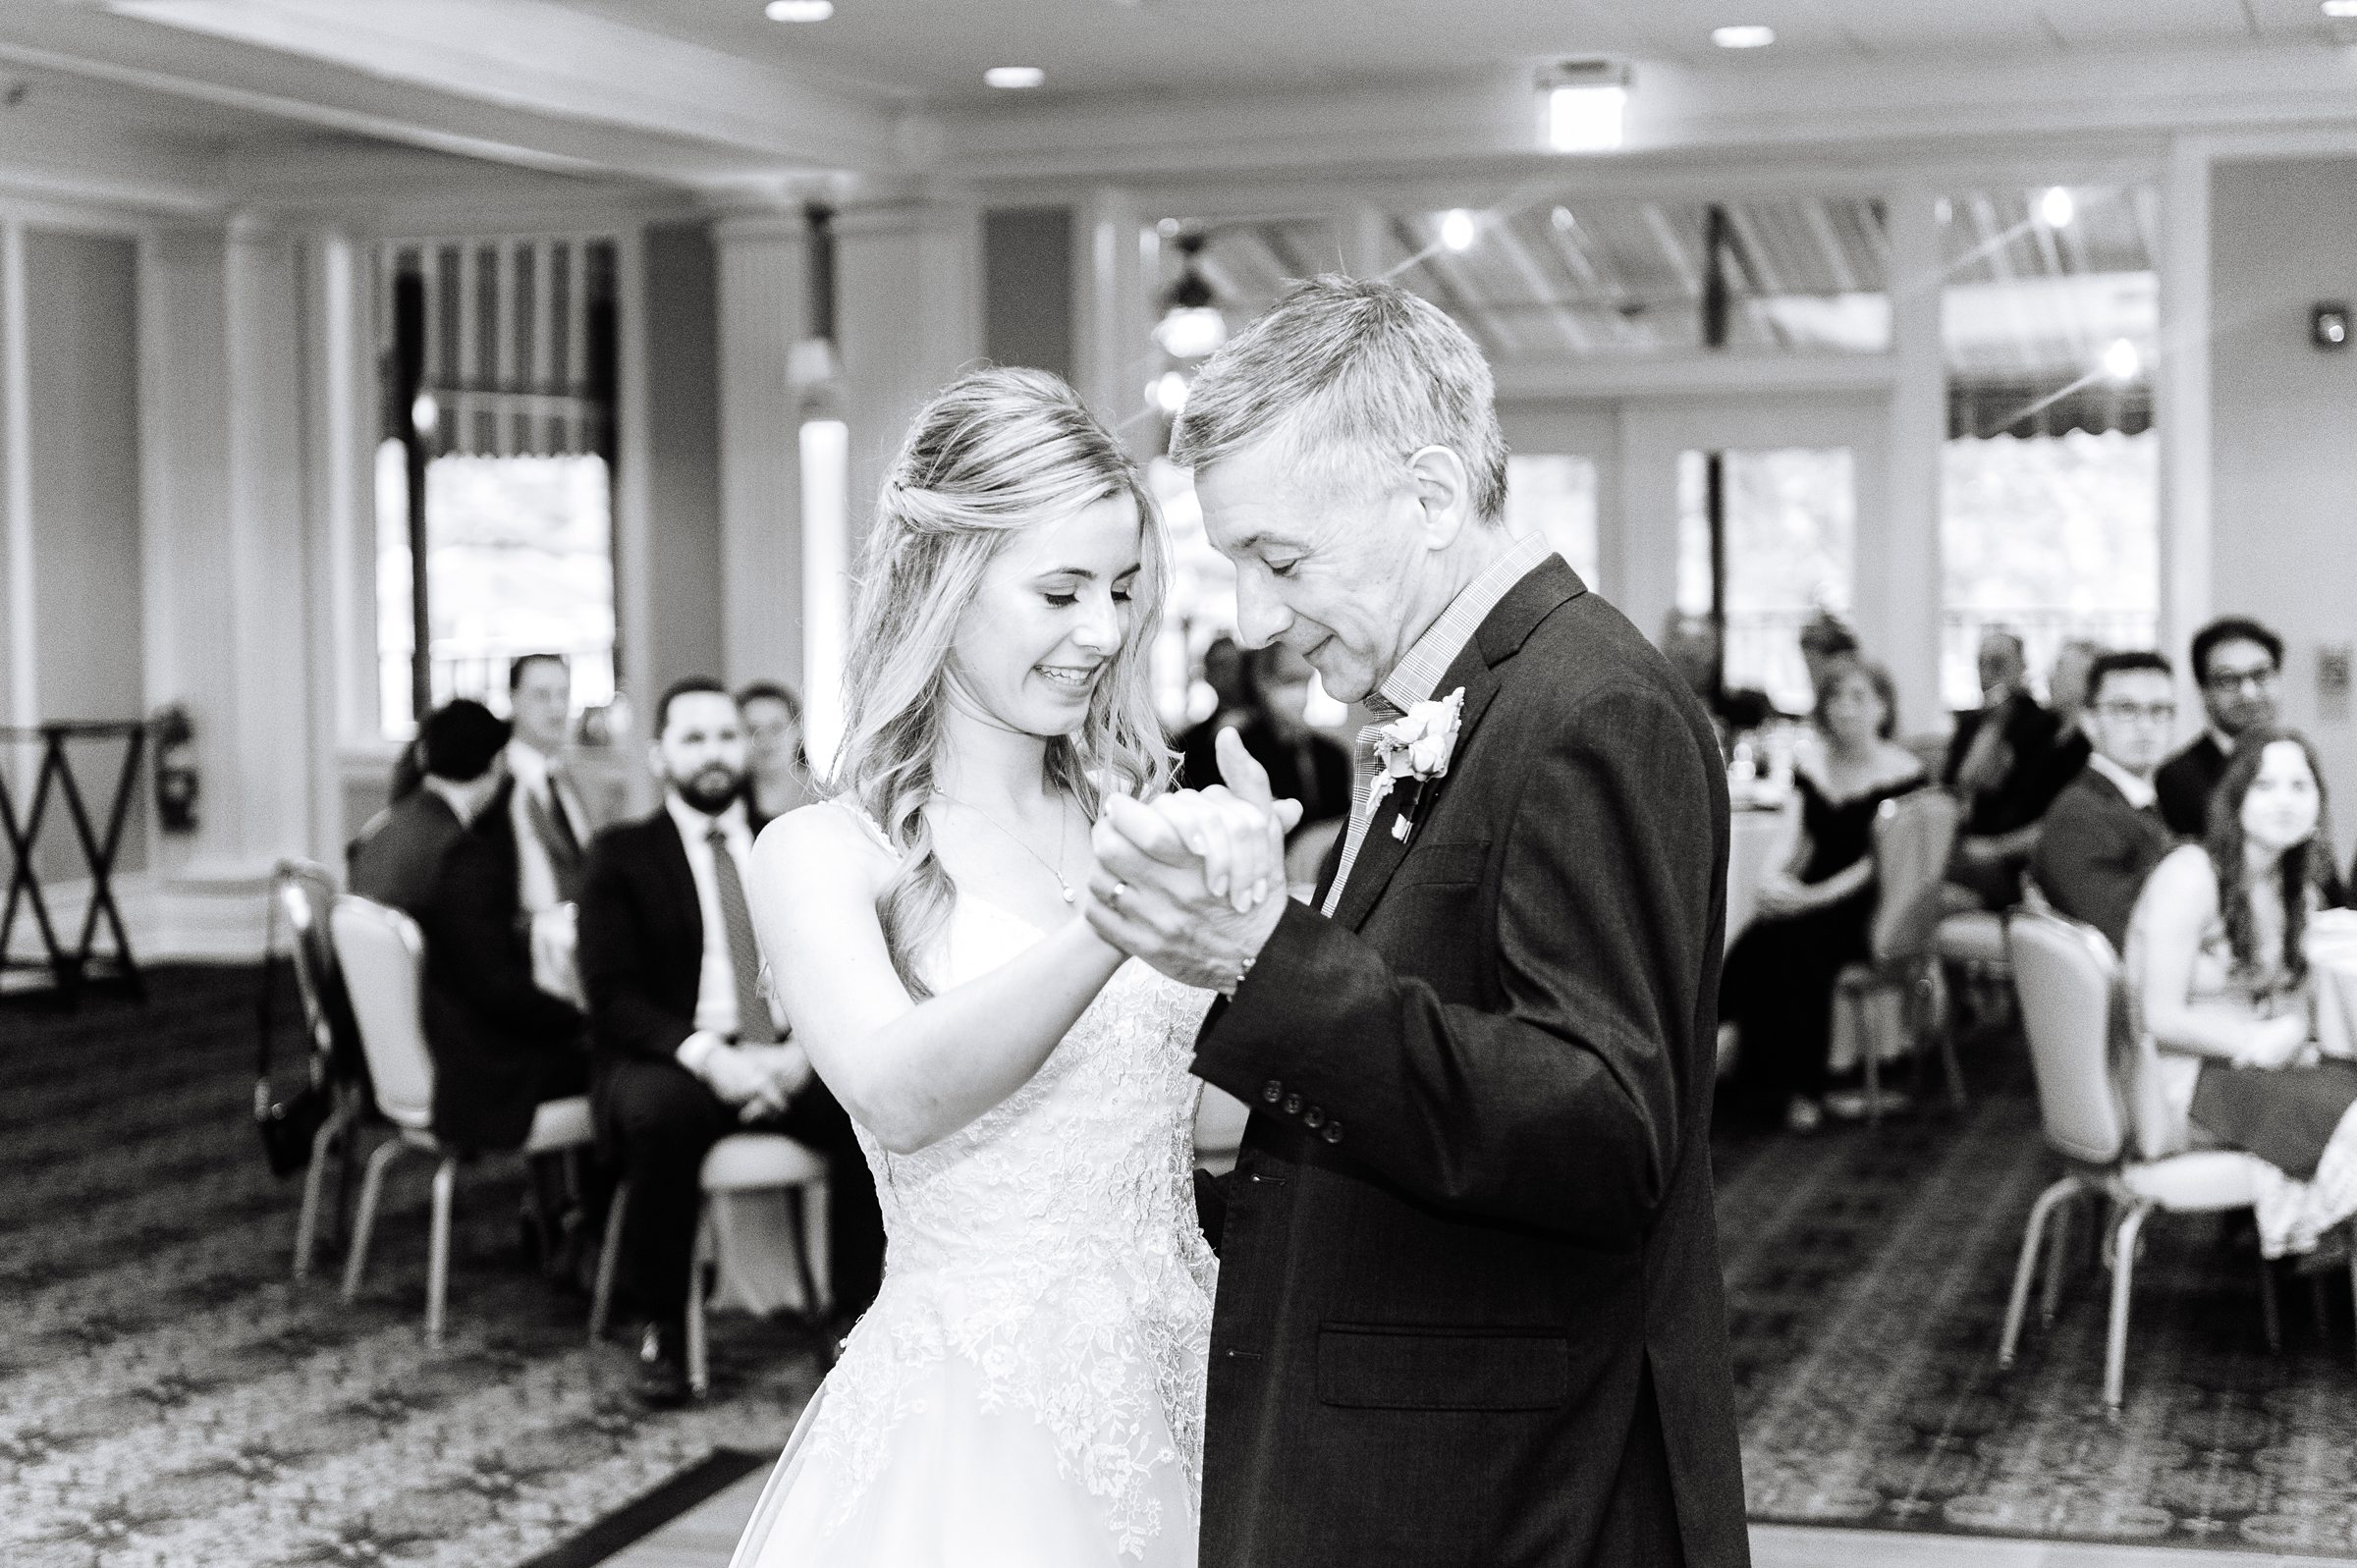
1416	747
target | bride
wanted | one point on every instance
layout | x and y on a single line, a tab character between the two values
1029	1387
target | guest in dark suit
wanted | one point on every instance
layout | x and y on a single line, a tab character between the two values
2002	765
499	1044
2103	834
1302	764
688	1048
1469	1302
2237	663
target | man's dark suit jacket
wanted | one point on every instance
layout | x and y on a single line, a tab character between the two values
2095	854
642	939
2185	783
498	1040
1469	1263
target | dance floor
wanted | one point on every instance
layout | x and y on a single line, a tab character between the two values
1867	1274
169	1397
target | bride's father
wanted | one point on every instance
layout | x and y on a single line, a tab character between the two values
1469	1306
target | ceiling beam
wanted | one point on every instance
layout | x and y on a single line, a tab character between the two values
1543	290
563	92
1836	257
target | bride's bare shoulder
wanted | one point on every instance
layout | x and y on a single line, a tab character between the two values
828	844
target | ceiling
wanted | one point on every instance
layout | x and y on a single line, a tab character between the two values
2026	301
935	50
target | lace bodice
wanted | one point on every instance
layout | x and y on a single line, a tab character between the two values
1053	1244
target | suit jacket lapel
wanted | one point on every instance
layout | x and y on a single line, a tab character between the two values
670	854
1501	635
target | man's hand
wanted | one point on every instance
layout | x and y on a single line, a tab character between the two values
736	1074
787	1070
1195	884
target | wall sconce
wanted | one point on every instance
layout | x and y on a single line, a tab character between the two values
2328	325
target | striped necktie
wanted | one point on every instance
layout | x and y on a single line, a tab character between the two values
754	1023
1365	769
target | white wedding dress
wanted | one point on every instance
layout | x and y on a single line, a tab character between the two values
1027	1389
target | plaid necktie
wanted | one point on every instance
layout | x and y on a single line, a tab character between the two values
754	1023
1365	769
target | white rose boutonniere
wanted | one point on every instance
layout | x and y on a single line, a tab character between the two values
1416	747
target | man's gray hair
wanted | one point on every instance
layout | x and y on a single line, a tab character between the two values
1354	377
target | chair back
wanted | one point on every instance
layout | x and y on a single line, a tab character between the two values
305	891
2067	980
382	954
1913	836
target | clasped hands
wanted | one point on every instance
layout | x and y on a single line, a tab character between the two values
1194	882
758	1079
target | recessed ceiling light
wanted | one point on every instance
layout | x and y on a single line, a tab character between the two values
1015	78
1456	229
2340	10
798	9
2056	208
1748	37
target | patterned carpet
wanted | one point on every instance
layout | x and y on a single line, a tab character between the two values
1867	1277
169	1397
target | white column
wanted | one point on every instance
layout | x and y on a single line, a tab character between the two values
908	316
269	548
2182	411
1899	563
340	499
1116	350
763	260
228	553
15	481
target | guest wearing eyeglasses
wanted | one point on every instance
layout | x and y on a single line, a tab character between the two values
2238	662
2104	834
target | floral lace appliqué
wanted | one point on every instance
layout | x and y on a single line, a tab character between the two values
1052	1245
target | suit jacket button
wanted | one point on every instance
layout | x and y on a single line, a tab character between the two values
1316	1117
1272	1090
1293	1104
1333	1132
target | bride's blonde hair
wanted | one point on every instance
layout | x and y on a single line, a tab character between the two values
993	452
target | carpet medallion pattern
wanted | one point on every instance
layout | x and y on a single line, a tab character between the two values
1867	1277
168	1396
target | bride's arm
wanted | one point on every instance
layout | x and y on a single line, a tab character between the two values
912	1073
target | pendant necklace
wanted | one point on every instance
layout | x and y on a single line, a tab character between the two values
1056	870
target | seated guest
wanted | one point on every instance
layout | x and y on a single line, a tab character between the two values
1302	763
778	770
1824	639
2237	662
1231	708
541	819
500	1047
2218	986
688	1048
2002	765
2104	834
1815	906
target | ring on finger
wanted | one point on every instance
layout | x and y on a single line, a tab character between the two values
1112	899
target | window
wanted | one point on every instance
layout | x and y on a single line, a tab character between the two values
1787	519
2050	492
498	373
1556	495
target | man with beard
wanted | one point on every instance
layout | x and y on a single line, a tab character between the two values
690	1048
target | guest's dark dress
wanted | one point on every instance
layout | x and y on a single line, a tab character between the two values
1778	986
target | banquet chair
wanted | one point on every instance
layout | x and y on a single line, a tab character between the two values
1912	837
302	892
2073	1011
382	954
740	1162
